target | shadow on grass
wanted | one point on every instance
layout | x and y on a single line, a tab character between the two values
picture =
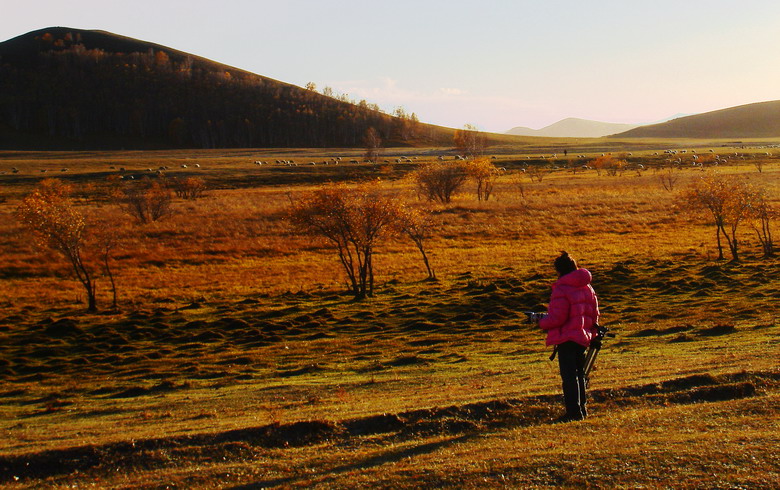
391	456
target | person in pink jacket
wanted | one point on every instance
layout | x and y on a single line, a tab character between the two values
570	323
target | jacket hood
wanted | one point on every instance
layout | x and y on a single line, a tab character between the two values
578	278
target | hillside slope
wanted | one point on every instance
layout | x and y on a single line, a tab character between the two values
758	120
69	88
573	127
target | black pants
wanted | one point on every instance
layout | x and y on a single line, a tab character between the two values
571	359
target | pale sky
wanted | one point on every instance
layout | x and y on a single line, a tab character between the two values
492	63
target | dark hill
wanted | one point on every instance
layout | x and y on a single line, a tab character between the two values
759	120
64	88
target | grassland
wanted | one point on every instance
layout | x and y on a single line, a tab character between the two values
236	359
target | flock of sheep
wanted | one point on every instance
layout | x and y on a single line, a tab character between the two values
672	157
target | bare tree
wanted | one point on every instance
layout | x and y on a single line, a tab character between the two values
373	144
470	141
107	244
668	178
537	173
418	226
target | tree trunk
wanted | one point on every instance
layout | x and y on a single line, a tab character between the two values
111	278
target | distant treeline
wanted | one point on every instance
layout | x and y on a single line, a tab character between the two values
90	97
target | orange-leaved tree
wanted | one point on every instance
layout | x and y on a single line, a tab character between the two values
613	166
56	223
352	220
729	200
760	217
484	174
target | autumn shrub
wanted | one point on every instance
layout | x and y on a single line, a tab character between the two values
438	181
146	200
188	187
668	178
484	174
537	173
611	165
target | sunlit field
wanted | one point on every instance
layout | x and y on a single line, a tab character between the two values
237	356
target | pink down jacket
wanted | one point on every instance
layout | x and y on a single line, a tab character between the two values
573	311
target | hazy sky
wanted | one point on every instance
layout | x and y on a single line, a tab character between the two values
493	63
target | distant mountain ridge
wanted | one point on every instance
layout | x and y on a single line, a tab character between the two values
757	120
66	88
573	127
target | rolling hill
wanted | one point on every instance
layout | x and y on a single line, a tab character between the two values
65	88
758	120
573	127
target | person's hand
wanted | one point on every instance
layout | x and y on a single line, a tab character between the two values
534	317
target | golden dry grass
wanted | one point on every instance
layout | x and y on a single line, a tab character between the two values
232	329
